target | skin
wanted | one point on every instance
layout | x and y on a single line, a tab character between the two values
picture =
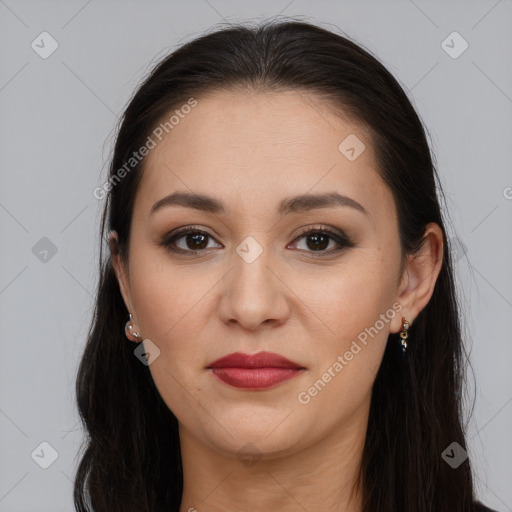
251	150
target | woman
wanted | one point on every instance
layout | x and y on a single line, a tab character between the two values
280	266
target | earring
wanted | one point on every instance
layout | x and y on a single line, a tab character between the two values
404	334
128	328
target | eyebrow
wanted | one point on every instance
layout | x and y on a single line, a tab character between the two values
297	204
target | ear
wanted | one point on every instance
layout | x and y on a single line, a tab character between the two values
120	270
420	276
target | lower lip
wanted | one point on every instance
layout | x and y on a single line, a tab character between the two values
255	378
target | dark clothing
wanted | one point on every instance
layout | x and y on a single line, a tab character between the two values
480	507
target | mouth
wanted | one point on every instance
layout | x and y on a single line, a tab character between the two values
257	371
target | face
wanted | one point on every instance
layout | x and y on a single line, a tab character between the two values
315	282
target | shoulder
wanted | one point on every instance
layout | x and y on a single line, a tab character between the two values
480	507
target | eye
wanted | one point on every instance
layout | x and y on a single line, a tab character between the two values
318	239
195	240
192	240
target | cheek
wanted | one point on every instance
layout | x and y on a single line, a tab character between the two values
356	308
169	298
352	297
348	359
173	311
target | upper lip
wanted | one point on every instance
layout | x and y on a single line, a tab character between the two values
258	360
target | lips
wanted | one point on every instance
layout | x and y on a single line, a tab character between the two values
257	371
259	360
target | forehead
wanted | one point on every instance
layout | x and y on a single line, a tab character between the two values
247	145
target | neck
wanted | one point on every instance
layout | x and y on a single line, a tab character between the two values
322	475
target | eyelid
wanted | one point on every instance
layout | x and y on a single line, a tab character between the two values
320	227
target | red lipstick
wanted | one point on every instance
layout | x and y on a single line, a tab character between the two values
258	371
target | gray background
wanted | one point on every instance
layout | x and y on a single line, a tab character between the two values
56	124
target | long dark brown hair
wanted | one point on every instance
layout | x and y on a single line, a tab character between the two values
131	459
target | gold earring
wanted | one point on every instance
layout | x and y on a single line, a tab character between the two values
128	329
404	334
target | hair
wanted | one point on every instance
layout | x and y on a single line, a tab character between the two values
131	461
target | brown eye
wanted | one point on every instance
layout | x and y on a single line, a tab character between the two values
318	240
323	241
194	240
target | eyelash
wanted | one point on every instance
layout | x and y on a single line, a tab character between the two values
339	237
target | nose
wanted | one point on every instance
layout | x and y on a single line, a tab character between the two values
254	294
